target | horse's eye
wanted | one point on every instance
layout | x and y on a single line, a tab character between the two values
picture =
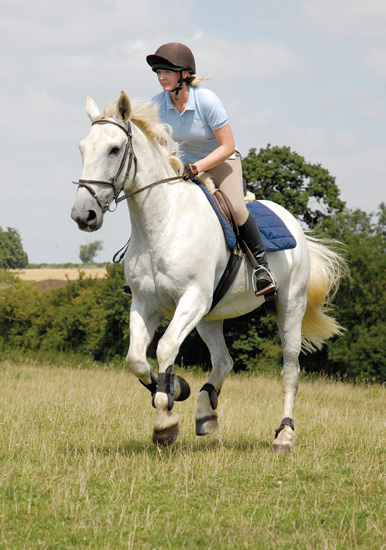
114	151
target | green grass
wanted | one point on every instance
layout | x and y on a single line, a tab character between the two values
78	469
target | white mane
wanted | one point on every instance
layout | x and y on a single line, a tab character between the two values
145	115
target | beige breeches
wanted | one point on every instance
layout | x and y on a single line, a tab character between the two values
228	178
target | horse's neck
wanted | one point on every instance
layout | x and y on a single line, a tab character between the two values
153	208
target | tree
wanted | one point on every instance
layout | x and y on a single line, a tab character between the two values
12	255
359	353
89	251
307	190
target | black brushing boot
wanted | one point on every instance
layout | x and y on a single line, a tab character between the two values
263	282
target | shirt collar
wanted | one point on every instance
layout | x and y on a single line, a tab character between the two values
190	106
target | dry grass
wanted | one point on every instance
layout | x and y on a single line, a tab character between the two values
78	469
58	274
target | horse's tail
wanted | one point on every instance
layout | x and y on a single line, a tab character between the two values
327	267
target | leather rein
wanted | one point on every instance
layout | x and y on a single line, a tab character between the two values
129	152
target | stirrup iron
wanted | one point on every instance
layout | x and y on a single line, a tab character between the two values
270	288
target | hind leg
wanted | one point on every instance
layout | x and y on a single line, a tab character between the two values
289	315
206	415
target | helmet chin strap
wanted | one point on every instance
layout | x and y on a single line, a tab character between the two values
179	86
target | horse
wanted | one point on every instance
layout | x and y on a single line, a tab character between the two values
175	258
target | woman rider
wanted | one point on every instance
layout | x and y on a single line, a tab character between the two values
200	125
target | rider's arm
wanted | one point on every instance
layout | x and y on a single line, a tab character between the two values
225	149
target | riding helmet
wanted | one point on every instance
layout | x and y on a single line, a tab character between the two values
172	56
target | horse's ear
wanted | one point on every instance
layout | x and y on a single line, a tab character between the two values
92	109
124	107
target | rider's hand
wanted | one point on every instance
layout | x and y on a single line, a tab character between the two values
190	171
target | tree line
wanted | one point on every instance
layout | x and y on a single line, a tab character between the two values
90	317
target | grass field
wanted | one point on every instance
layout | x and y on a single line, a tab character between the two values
78	469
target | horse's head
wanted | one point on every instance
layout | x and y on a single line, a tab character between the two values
107	156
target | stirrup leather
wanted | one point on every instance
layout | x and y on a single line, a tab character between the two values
270	287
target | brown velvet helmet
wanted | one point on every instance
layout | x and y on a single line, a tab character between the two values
173	57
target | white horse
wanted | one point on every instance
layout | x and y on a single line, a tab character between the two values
177	255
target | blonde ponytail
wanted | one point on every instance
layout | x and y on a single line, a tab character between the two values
196	81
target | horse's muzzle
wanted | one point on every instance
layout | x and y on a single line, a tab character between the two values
87	220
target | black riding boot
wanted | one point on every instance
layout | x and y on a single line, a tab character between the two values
263	282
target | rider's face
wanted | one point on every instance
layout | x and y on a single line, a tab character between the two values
168	79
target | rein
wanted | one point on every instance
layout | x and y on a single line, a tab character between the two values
166	180
128	151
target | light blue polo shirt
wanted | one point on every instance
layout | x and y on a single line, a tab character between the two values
193	129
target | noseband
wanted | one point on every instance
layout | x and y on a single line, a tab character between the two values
111	183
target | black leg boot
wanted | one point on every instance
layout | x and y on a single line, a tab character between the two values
263	282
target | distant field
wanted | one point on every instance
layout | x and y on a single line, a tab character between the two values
58	274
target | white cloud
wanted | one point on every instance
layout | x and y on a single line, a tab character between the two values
374	110
34	117
248	60
374	61
365	18
324	101
361	176
370	106
313	142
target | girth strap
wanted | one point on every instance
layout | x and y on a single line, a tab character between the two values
227	278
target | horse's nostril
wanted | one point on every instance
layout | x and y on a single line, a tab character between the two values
91	216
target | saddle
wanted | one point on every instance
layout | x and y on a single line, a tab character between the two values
274	232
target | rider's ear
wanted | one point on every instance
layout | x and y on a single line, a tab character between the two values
124	107
92	109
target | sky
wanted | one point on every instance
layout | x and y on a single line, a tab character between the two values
307	74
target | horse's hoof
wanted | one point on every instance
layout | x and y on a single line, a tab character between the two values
166	437
284	440
184	389
206	426
280	449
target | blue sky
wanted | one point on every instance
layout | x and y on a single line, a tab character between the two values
308	74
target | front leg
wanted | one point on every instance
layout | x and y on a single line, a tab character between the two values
143	324
190	310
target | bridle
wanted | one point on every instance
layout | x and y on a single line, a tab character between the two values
129	151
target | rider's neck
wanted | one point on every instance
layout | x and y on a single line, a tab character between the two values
183	96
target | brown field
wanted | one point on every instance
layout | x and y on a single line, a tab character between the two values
52	278
58	274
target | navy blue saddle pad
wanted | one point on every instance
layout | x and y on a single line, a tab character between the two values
273	230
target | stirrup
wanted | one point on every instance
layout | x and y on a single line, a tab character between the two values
269	291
